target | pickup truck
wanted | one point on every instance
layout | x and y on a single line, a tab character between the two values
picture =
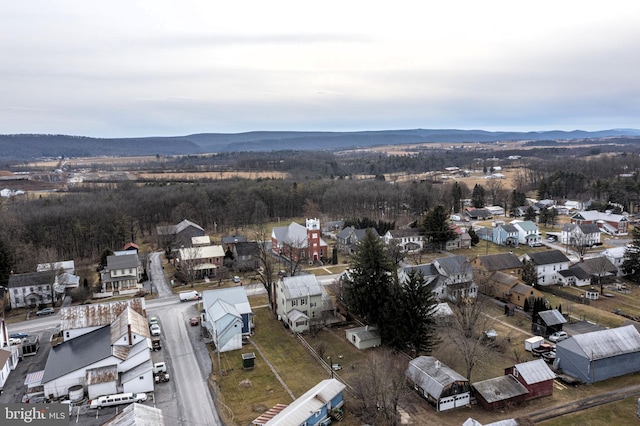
160	372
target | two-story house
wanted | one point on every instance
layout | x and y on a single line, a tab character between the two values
246	256
503	262
616	256
300	301
297	242
456	278
528	232
101	358
31	289
586	234
122	274
506	235
348	238
548	265
176	236
228	317
200	261
462	238
608	222
409	239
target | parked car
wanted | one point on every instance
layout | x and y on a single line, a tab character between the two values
19	335
45	311
194	321
558	336
155	329
153	320
542	349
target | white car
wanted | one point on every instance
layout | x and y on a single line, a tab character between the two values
155	329
558	336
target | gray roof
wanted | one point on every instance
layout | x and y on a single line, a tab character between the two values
502	278
186	224
301	286
547	257
123	261
598	265
500	388
234	296
245	248
405	232
589	228
137	371
31	279
509	228
77	353
453	265
535	371
552	317
432	375
575	271
365	333
606	343
501	261
294	234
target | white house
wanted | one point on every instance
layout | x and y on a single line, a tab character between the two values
548	265
122	275
363	337
586	234
300	301
616	255
409	240
114	358
528	232
31	289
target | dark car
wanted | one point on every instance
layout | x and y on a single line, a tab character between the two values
543	349
19	335
549	356
45	311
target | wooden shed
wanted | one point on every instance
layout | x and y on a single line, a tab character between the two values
441	386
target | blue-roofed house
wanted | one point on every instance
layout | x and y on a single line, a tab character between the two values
227	317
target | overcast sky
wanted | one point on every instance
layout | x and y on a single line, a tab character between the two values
148	68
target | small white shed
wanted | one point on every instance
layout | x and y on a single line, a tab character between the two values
364	337
533	342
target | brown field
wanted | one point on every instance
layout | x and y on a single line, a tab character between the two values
194	176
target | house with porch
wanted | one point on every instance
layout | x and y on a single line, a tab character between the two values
296	242
122	275
548	265
408	239
586	234
608	222
200	261
31	289
300	302
528	232
506	235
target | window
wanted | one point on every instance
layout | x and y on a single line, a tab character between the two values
294	303
303	302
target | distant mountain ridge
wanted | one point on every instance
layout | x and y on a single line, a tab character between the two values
31	146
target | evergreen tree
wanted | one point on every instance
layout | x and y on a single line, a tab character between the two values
369	286
517	199
334	256
436	227
529	274
526	306
6	263
103	257
474	237
631	264
530	214
477	196
411	322
456	193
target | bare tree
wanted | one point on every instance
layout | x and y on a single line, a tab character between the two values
267	271
600	267
495	187
381	388
467	331
189	262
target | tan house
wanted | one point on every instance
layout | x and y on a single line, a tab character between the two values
503	262
510	289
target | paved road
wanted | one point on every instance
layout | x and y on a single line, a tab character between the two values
186	399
